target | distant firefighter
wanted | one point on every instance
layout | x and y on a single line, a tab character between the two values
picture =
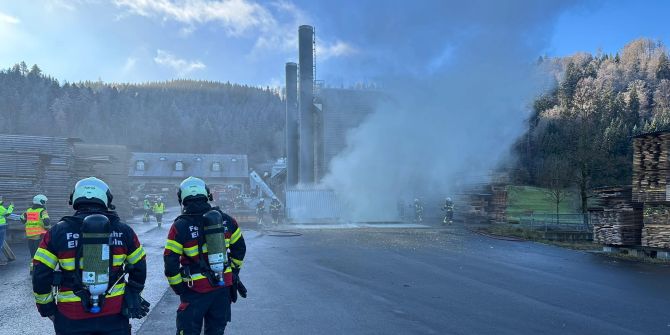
448	209
37	223
275	210
159	210
146	205
260	211
418	210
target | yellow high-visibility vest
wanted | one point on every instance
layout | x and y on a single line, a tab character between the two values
35	221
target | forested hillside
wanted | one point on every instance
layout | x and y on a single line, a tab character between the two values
173	116
580	132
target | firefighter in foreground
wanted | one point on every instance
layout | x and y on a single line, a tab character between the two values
275	210
4	212
159	209
448	209
37	223
95	298
203	256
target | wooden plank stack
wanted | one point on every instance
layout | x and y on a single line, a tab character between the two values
30	165
656	231
499	203
650	167
109	163
616	220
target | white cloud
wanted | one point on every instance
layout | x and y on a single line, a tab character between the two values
337	49
8	19
275	24
181	66
236	16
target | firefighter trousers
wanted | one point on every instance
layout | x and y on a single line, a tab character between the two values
213	308
104	325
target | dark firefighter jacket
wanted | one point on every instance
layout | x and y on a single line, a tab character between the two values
57	250
181	248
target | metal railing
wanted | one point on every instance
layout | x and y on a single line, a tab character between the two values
577	222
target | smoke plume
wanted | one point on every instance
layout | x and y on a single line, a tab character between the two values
459	76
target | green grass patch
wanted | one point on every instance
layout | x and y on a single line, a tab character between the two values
522	200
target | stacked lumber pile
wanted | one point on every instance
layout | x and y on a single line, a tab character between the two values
616	220
499	203
651	167
30	165
656	231
109	163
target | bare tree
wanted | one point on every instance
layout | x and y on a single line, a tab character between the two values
555	179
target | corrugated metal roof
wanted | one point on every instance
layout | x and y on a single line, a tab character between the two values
313	206
162	165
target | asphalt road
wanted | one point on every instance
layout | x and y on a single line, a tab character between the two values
401	281
435	281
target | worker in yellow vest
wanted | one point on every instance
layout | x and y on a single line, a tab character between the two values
37	223
159	210
4	212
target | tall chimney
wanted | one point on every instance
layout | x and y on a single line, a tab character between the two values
291	124
306	61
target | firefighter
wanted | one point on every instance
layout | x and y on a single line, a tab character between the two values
203	256
275	210
4	212
159	209
96	298
448	209
36	220
418	210
146	205
260	211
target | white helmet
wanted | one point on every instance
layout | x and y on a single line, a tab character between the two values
91	190
193	187
448	198
40	199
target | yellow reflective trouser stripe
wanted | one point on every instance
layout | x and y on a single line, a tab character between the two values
136	256
236	236
43	298
238	263
174	246
69	296
174	280
193	251
46	257
118	259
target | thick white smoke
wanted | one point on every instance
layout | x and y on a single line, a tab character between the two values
461	79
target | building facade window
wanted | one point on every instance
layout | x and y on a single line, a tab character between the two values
216	167
139	166
179	166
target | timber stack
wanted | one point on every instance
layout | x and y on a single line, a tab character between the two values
650	167
34	165
110	163
616	219
656	232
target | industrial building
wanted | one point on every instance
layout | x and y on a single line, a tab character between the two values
161	173
317	122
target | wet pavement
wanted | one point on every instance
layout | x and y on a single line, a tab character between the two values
376	280
435	281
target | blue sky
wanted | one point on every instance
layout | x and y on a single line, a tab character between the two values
248	41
